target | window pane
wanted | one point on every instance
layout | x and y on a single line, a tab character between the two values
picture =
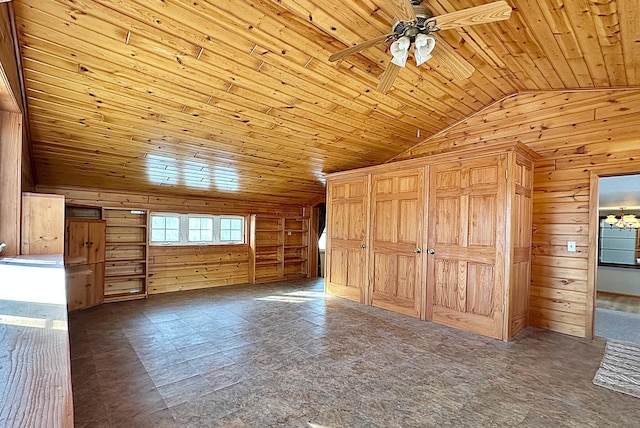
225	223
194	235
236	224
236	235
173	236
206	235
157	222
225	235
206	223
157	235
194	223
173	222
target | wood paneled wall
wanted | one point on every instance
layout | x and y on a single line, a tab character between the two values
10	181
579	135
10	99
187	267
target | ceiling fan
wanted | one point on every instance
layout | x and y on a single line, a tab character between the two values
414	25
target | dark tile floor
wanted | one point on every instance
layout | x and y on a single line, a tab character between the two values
287	355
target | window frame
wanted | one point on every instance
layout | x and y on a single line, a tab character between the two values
184	229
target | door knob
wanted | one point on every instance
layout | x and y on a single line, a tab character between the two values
362	246
431	251
417	250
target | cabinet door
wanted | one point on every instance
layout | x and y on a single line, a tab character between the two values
467	232
96	237
85	286
347	212
396	240
77	242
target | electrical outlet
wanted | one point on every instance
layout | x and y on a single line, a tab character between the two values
571	246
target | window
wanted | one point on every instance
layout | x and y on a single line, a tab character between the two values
196	229
618	247
231	229
165	228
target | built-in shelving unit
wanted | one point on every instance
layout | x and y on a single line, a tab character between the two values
127	248
296	247
279	248
267	250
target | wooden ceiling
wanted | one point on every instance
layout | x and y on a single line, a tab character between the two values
237	99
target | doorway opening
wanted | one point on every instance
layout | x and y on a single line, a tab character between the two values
617	283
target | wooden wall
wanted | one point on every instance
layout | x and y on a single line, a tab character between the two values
579	135
187	267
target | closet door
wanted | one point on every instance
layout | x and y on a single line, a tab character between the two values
347	211
396	240
466	234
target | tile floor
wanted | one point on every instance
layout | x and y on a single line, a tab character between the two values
286	355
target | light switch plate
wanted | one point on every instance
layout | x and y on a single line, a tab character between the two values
571	246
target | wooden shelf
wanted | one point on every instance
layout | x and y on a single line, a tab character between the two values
296	230
126	243
267	262
120	297
128	225
126	260
294	260
268	245
268	230
294	247
135	276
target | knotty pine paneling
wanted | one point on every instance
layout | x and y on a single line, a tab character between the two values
238	99
187	267
577	134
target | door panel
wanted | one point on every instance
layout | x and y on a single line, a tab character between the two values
396	231
346	238
77	242
465	278
97	236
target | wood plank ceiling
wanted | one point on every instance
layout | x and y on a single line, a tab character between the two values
237	99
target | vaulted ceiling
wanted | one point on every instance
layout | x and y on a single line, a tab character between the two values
238	99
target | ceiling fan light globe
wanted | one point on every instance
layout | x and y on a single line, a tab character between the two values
423	46
400	51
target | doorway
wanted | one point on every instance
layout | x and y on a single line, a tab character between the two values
617	280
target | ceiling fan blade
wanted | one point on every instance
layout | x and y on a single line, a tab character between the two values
388	77
446	57
496	11
402	10
357	48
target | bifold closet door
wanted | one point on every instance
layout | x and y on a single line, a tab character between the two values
396	241
347	211
466	241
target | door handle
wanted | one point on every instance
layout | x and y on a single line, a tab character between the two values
363	246
431	251
417	250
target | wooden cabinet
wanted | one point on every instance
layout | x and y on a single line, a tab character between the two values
84	258
85	241
85	286
42	224
279	248
466	230
395	254
446	238
347	237
127	247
